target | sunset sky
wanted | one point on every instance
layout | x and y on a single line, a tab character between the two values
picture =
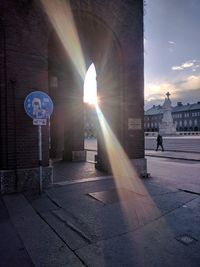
172	51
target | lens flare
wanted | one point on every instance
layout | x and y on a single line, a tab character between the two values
126	177
61	17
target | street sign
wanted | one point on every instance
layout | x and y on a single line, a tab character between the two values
38	105
40	122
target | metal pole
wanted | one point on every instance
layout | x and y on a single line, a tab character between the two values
49	133
40	156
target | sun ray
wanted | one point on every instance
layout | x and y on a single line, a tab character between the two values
126	177
61	17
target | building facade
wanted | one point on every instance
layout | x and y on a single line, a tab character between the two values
37	55
185	117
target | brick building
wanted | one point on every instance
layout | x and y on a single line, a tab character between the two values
32	57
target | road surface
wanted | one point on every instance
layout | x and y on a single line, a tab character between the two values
182	174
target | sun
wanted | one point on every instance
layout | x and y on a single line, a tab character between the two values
90	86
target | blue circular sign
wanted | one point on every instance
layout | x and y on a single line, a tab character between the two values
38	105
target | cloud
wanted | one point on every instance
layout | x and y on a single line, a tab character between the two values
186	90
191	82
177	68
191	64
156	93
171	42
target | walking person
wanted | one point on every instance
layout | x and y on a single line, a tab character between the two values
159	142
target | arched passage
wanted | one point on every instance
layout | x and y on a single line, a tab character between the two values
99	46
40	62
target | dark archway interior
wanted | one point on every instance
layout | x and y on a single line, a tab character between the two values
66	89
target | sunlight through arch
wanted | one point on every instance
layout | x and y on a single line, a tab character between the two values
90	86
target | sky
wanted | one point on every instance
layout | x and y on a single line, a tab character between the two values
172	51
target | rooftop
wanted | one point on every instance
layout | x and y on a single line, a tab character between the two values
156	110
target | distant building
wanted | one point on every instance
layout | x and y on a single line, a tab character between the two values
185	117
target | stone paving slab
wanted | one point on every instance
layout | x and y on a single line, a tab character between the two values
171	201
15	254
74	236
45	248
63	223
100	216
154	244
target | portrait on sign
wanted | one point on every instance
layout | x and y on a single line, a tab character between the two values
38	105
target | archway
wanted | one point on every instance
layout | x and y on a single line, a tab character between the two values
99	46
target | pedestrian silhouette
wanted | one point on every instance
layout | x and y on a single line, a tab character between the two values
159	142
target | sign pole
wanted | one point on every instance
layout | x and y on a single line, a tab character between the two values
39	106
40	156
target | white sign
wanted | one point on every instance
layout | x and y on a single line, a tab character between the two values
39	121
134	124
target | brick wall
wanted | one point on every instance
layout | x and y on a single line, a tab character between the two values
24	37
24	59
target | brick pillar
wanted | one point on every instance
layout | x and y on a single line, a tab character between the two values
25	69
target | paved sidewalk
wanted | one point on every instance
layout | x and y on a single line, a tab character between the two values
97	223
12	250
85	221
173	155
